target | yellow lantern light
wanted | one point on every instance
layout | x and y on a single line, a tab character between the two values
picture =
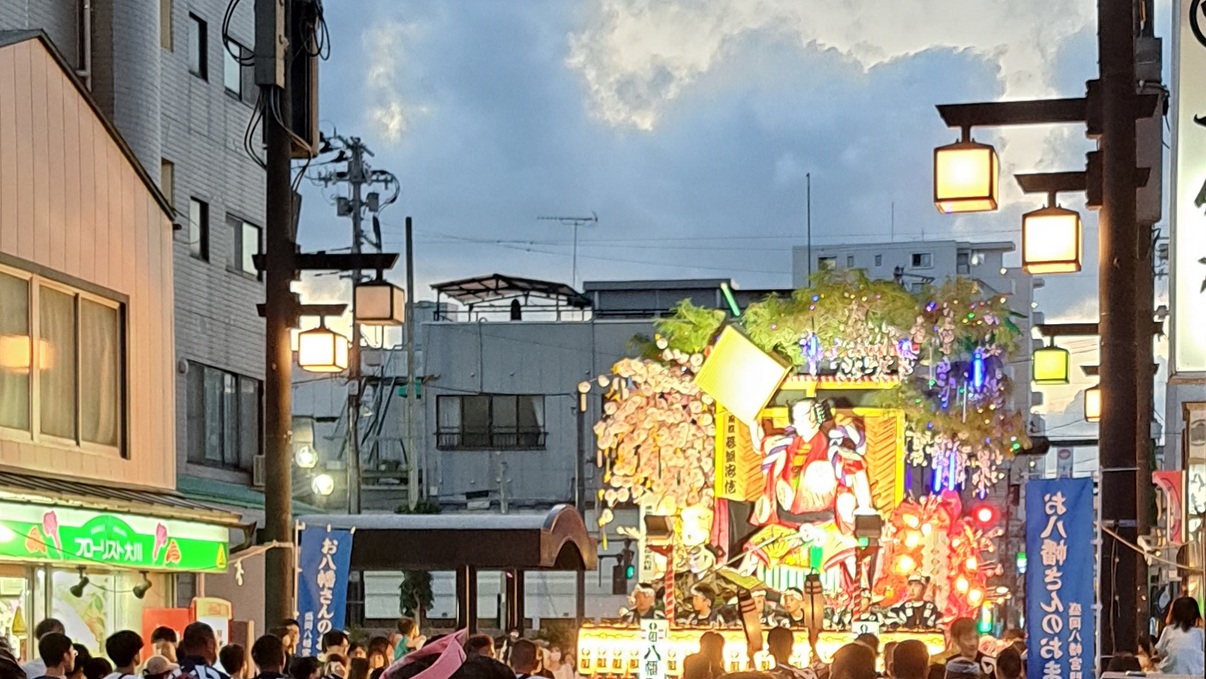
1051	241
322	351
740	376
379	302
1093	404
1051	365
966	175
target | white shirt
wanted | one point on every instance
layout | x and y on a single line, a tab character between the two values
1184	651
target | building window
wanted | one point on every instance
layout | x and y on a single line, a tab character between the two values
238	71
922	260
879	260
223	418
826	263
849	261
490	422
963	263
167	181
246	239
198	47
66	347
198	228
165	24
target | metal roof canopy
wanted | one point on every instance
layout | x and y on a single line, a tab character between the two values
111	498
556	540
496	288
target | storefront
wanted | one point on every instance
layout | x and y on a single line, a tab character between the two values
99	571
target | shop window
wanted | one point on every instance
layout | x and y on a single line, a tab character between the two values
66	347
490	422
223	418
106	604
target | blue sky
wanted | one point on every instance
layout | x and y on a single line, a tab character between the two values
688	127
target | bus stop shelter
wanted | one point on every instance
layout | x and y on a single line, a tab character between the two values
466	543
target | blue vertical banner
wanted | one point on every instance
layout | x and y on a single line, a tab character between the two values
323	562
1060	629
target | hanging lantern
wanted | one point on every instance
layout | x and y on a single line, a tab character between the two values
966	175
379	302
814	603
1051	365
1051	241
740	376
322	351
1093	404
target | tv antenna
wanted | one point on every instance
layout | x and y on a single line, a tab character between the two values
574	222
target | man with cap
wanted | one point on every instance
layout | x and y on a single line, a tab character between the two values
916	612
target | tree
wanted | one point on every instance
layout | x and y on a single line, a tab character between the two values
415	595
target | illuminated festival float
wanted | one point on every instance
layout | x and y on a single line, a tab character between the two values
818	454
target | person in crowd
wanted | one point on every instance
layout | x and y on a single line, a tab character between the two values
97	668
35	667
291	637
888	648
358	668
1182	646
233	659
304	668
793	607
525	658
480	644
702	612
163	642
1009	664
780	643
542	657
1146	654
559	663
448	654
160	667
124	648
268	654
57	654
1016	638
335	642
356	650
335	666
910	660
409	639
853	661
918	611
82	656
708	663
198	652
10	667
870	641
643	599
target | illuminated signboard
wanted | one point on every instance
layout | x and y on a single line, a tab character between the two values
65	535
1188	251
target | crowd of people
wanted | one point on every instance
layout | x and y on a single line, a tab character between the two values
407	654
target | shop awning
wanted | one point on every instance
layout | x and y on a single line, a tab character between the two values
62	492
556	540
232	495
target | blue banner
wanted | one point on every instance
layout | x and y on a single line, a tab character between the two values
1060	623
323	562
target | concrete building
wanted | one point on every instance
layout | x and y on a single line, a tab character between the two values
92	531
160	72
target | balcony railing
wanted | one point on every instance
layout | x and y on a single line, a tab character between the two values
496	439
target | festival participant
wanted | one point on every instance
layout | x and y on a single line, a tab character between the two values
1182	649
767	613
910	660
916	612
793	607
702	612
642	606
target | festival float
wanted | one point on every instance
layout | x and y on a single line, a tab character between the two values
815	454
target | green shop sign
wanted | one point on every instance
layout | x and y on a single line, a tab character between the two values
80	537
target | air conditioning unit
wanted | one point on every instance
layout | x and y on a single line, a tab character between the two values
257	471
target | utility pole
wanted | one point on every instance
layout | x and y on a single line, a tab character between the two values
808	220
413	485
1119	260
279	309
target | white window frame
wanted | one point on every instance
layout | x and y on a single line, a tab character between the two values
35	435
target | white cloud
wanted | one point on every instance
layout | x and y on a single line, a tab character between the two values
637	56
385	47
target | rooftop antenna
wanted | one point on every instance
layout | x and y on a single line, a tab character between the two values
574	222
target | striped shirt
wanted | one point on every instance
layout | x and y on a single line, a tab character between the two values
197	668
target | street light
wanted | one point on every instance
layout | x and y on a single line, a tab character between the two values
1051	240
1093	404
305	457
379	302
323	485
966	175
1051	365
321	350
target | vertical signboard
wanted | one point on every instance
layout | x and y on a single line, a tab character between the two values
1188	245
322	584
655	635
1061	633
